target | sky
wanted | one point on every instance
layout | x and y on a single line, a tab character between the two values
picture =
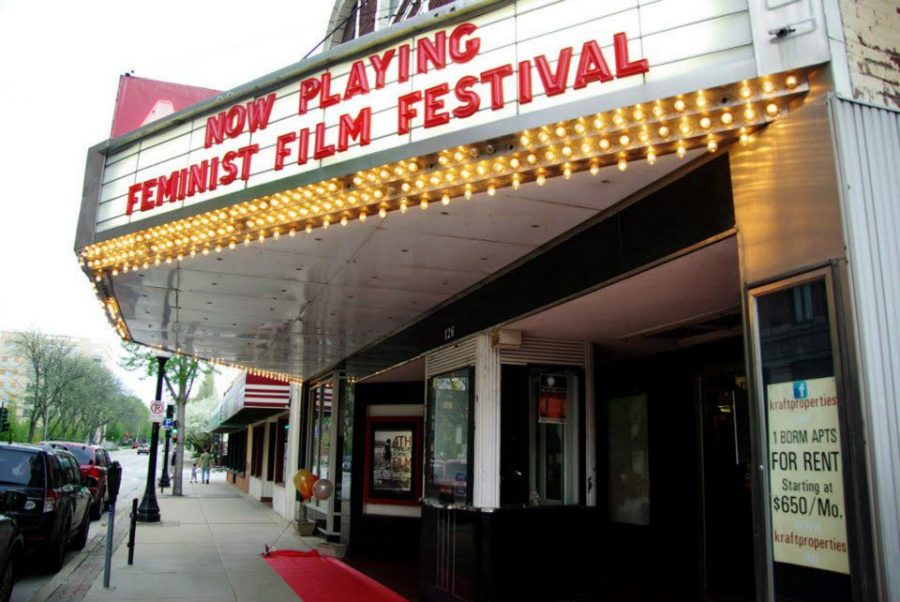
60	64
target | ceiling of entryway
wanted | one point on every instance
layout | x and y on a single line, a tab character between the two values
301	304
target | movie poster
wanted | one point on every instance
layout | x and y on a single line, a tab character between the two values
392	461
552	399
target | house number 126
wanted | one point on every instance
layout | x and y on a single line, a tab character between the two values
449	333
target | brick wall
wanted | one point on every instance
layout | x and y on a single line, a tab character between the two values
872	34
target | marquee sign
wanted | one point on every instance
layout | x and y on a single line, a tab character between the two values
523	57
434	106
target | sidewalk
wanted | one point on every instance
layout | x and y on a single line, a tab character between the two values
207	547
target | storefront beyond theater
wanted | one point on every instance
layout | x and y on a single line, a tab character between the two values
554	276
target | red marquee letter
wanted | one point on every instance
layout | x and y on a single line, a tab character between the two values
624	67
457	54
406	111
591	66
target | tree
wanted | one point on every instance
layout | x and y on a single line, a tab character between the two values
179	376
53	370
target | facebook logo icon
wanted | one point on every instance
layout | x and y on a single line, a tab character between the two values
800	389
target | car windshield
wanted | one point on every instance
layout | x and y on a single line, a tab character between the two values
21	468
82	453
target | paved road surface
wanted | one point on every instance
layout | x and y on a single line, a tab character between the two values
134	478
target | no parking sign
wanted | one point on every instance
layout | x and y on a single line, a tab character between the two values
157	411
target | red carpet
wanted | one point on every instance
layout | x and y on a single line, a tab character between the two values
322	579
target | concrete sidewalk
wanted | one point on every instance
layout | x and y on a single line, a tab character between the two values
207	547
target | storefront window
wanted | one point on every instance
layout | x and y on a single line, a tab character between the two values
629	470
447	474
803	434
347	438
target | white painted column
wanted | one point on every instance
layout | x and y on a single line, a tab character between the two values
486	480
295	425
590	425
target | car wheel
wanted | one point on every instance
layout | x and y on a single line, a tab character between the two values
56	550
97	507
7	580
81	539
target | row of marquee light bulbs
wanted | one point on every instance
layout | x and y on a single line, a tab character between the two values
639	132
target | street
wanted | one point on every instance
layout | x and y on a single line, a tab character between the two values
134	477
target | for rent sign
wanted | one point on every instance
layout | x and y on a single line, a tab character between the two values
806	479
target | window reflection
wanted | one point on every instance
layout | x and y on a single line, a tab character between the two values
447	461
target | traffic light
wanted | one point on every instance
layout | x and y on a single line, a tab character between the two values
4	419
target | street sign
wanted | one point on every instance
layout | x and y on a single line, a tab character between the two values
168	423
157	411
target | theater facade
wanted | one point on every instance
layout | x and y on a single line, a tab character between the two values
573	300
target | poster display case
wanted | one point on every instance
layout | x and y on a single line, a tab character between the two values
393	460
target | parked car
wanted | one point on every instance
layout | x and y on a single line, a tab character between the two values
55	511
93	462
12	544
143	449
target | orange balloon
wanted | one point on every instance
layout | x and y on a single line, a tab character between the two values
304	481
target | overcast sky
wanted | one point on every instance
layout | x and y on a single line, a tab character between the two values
60	64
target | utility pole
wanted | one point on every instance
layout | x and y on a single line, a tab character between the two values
148	511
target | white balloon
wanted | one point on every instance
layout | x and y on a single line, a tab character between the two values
323	489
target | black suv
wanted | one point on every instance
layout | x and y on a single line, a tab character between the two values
54	512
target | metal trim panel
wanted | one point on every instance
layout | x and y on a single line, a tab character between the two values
455	356
555	352
867	141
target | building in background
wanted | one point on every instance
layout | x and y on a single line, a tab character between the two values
576	299
15	373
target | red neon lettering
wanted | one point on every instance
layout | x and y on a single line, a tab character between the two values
355	129
147	188
433	105
380	64
403	63
321	149
182	183
554	83
466	95
406	111
309	89
197	178
230	169
357	82
246	154
495	78
303	147
326	98
133	191
431	52
258	112
214	173
215	130
282	150
167	189
525	93
624	67
457	54
234	123
592	66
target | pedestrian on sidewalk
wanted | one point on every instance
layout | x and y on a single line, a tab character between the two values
204	465
194	472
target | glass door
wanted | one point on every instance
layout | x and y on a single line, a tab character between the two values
554	436
802	433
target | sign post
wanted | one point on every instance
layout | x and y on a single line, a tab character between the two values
148	512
